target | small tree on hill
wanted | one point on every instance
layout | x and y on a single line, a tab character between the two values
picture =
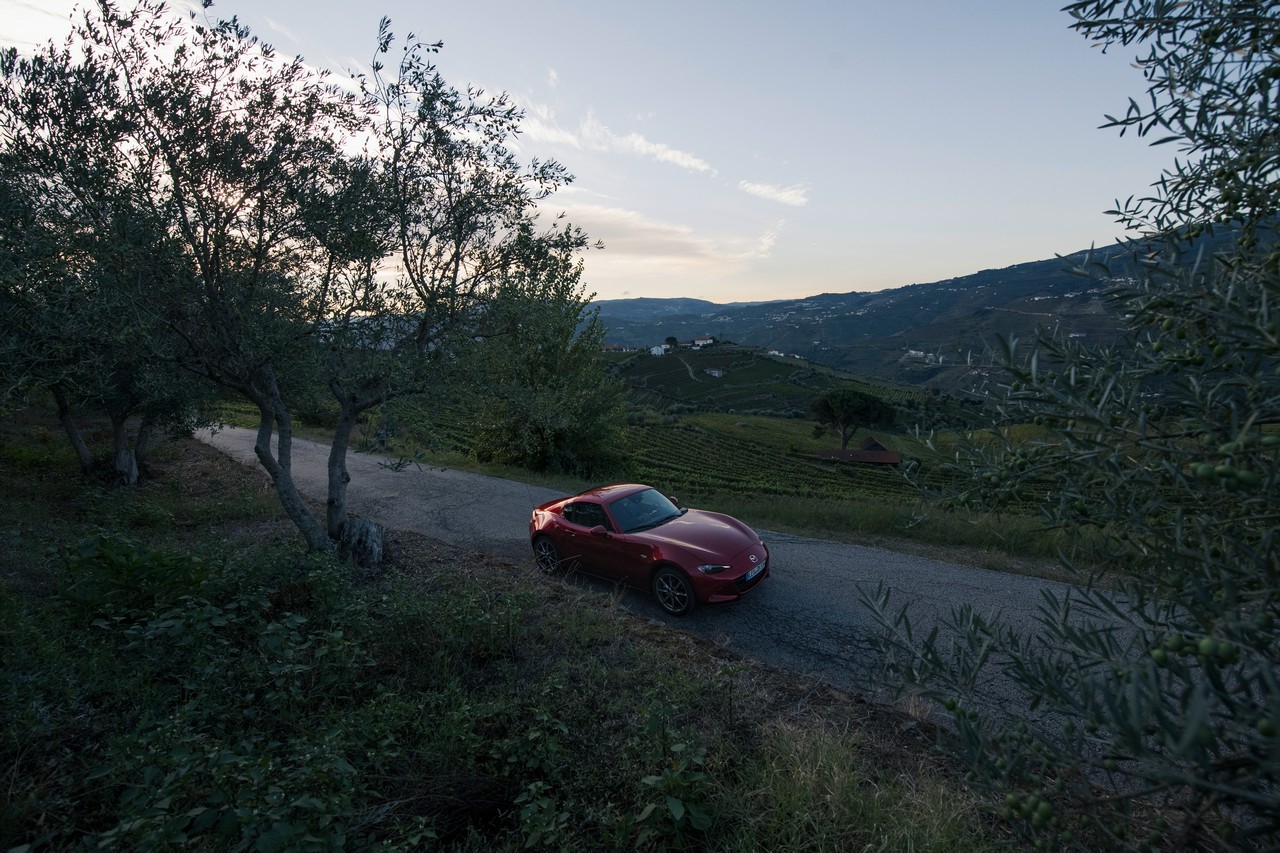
845	411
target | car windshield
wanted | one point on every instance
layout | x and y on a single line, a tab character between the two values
643	510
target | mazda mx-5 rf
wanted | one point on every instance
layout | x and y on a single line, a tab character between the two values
635	535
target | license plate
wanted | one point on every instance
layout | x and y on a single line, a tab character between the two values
757	570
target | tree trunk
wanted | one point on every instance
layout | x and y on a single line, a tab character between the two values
126	463
338	476
73	433
846	433
142	444
279	466
359	541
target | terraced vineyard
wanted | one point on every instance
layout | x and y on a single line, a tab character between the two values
708	454
727	378
746	432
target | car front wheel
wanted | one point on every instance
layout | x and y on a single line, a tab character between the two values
673	591
546	553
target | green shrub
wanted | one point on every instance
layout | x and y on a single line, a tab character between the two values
109	574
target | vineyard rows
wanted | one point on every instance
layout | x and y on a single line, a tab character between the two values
707	453
751	380
693	459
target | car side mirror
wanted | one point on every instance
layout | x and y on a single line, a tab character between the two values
599	530
675	501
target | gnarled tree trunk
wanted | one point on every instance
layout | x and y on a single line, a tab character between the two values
359	541
73	433
274	415
124	459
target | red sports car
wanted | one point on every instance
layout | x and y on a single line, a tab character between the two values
634	534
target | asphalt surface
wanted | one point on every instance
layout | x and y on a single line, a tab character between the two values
806	617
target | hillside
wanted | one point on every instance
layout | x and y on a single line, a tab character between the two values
733	378
937	335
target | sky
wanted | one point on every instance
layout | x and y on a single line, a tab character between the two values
748	150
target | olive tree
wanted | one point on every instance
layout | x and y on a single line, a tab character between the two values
290	233
845	410
82	254
1158	459
452	223
234	139
176	171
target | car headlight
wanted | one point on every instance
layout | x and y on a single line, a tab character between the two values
711	569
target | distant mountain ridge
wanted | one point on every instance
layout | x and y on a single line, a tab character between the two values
647	307
934	334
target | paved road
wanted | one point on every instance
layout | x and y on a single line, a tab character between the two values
806	617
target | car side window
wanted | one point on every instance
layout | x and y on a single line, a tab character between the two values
587	515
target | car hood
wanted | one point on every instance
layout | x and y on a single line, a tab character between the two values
718	537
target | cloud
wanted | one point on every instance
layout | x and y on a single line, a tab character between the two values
540	125
280	28
651	257
637	243
637	144
763	247
28	25
553	78
796	195
631	234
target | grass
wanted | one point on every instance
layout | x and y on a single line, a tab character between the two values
176	672
1014	544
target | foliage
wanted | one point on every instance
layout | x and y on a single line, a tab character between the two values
447	205
175	163
1211	74
1160	704
677	813
845	411
82	254
547	403
179	203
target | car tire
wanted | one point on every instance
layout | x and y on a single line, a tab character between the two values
673	591
546	553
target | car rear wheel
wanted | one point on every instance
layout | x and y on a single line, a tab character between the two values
673	591
546	553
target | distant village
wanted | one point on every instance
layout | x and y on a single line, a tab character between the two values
695	344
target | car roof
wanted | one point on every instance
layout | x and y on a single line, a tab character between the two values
613	491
